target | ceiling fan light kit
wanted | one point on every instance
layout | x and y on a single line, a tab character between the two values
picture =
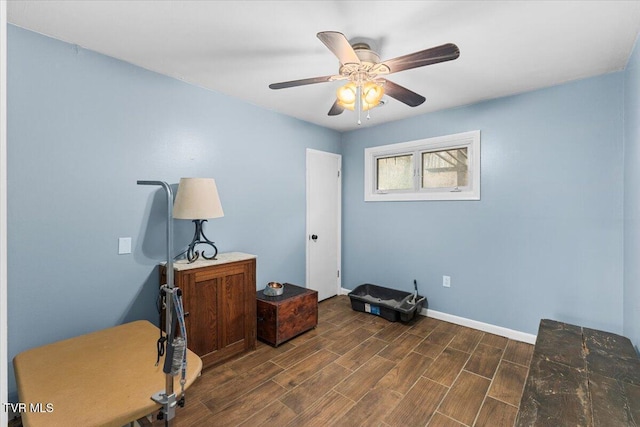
368	93
362	68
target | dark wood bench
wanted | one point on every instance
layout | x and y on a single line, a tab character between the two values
581	377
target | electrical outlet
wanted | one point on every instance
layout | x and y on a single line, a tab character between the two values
446	281
124	245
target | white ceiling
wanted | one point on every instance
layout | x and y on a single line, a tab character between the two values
239	47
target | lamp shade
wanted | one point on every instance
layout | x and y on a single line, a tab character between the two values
197	198
370	94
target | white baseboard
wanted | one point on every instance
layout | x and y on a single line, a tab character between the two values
470	323
481	326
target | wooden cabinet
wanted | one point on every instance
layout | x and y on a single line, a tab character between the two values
283	317
219	304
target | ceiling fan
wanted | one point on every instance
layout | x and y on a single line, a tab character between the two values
362	68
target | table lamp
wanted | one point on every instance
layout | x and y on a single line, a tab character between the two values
197	199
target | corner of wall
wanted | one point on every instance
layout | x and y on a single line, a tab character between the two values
3	210
631	182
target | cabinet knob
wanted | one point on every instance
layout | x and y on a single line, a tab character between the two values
186	314
314	237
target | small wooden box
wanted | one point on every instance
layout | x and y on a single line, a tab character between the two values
288	315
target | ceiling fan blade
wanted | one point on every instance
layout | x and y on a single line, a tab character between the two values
336	109
301	82
434	55
339	45
403	94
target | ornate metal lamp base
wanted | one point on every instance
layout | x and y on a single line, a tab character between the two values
200	239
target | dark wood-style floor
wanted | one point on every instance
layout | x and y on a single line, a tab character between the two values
358	369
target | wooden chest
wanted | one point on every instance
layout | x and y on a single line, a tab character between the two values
580	377
288	315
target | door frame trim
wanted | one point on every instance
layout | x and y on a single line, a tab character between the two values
339	213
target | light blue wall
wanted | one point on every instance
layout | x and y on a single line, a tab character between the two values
632	197
546	239
82	129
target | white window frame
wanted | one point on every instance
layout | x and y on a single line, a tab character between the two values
470	140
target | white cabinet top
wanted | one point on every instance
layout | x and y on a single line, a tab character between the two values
225	258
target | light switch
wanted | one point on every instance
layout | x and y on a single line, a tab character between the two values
124	245
446	281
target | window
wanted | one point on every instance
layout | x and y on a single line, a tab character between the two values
395	173
442	168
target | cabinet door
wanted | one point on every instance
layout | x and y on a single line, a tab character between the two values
200	301
232	317
229	309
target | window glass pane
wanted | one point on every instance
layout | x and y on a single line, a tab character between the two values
445	169
394	173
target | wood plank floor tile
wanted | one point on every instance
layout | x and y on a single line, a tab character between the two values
341	374
365	378
518	352
466	339
345	317
404	375
301	352
221	396
338	302
329	316
245	406
508	383
304	369
442	338
372	323
496	414
465	397
400	347
360	354
418	405
310	334
449	327
262	354
274	414
307	393
326	412
423	326
429	349
348	342
371	409
494	341
484	360
392	331
439	420
211	379
322	329
335	333
447	366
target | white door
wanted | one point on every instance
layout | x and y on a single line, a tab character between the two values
323	222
